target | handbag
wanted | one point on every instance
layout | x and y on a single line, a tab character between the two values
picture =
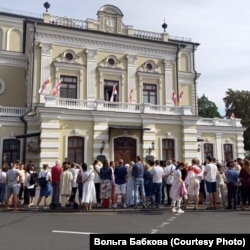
43	181
183	190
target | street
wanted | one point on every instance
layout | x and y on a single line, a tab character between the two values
70	229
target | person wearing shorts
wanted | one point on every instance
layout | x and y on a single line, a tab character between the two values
13	185
120	174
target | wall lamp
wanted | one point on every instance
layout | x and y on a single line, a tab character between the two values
199	148
151	148
102	147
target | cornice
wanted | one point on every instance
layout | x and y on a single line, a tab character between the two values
107	43
13	59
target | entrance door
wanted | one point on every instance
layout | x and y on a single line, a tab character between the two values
124	148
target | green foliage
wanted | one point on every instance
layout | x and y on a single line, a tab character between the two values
207	108
238	102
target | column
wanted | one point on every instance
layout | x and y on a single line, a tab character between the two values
91	74
131	83
169	85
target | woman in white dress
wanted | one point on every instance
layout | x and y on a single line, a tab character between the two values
88	188
175	190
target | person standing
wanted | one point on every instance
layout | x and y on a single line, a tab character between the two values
106	177
66	180
210	178
130	186
3	177
13	181
157	174
120	173
193	182
97	167
74	169
231	182
244	178
148	180
21	191
55	176
175	190
45	191
168	173
88	188
138	174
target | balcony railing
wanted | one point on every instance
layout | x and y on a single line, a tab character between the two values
51	101
12	111
220	122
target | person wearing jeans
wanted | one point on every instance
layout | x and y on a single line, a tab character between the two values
137	174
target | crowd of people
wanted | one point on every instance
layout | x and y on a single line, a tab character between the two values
111	184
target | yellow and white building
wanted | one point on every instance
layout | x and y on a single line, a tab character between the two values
84	120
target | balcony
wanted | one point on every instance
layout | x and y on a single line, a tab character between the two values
101	105
12	111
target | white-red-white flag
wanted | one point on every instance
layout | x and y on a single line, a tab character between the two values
130	95
232	116
57	87
181	96
174	97
43	87
114	92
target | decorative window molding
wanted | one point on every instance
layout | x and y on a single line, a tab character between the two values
68	56
2	86
110	62
148	66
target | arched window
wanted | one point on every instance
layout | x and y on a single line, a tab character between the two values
76	149
11	150
168	149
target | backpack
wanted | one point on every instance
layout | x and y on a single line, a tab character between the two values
43	181
32	179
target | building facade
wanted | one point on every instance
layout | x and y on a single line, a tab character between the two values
82	89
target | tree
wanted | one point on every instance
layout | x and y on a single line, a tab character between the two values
238	103
207	108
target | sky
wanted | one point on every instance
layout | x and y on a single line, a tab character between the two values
221	27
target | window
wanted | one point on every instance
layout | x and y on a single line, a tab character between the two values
228	152
149	93
208	150
168	152
76	149
108	90
11	150
68	87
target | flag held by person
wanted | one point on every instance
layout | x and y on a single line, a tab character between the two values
181	97
174	97
114	92
56	89
131	95
43	87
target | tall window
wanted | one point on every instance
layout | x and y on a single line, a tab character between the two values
208	150
11	150
108	90
168	151
149	93
68	87
228	152
76	149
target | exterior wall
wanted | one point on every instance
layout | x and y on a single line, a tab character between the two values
91	118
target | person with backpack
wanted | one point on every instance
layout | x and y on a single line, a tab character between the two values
29	185
45	189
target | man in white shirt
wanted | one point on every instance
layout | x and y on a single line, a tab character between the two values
210	178
168	173
157	174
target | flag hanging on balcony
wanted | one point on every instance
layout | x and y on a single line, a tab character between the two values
232	117
131	95
43	87
56	89
114	92
181	97
174	97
